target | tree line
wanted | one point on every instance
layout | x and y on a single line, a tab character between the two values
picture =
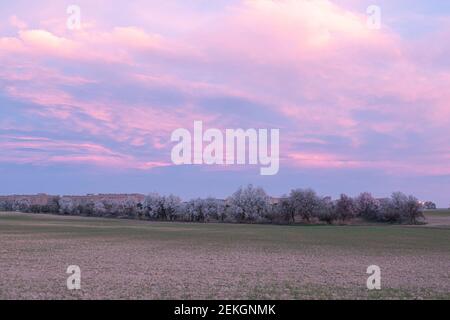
247	205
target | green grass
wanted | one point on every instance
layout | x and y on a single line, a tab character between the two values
374	238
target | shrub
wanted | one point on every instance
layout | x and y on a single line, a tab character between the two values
429	205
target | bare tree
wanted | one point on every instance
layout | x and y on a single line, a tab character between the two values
171	207
326	210
249	204
413	210
367	206
154	206
345	208
304	202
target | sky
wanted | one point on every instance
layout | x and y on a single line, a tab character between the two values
92	110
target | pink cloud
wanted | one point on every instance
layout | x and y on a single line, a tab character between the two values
427	164
312	63
17	23
41	150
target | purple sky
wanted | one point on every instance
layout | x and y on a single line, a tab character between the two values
92	110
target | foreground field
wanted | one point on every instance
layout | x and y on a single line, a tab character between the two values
125	259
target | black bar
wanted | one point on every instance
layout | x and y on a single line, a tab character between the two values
221	309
